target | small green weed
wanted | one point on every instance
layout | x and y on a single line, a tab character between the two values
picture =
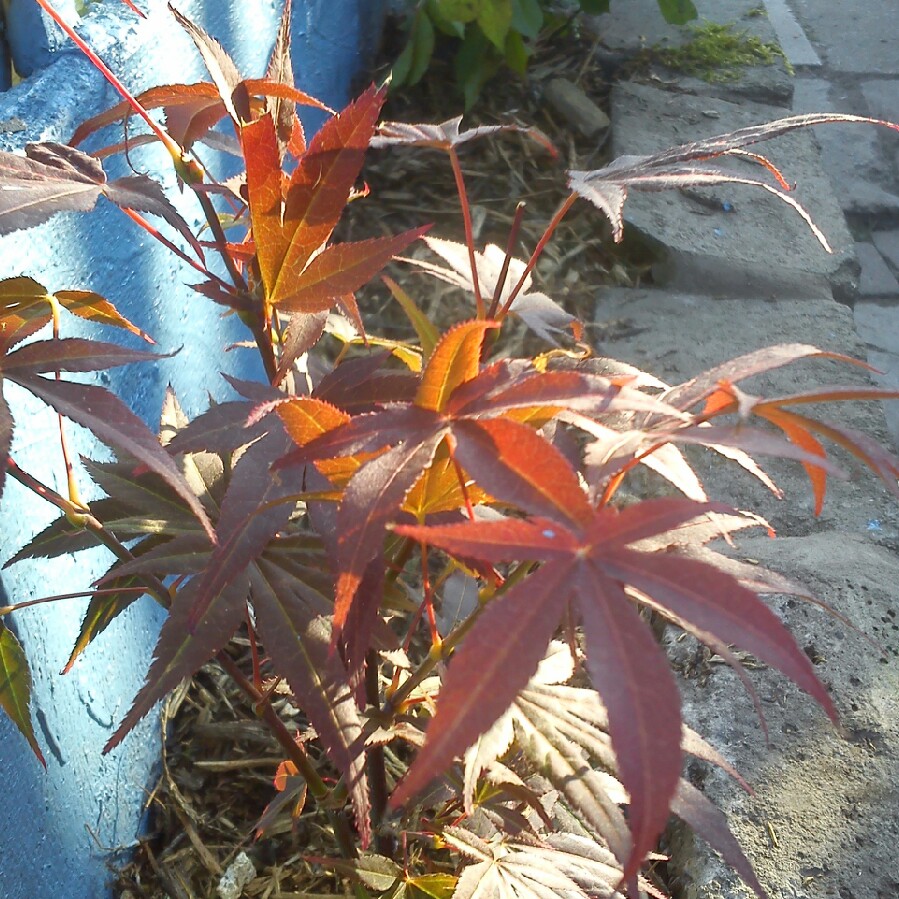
718	53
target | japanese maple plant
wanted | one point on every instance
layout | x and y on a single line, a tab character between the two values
422	539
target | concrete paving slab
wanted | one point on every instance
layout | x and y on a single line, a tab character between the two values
887	242
863	179
877	325
632	25
876	279
887	376
822	823
852	37
762	247
792	39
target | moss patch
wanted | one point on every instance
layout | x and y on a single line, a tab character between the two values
718	53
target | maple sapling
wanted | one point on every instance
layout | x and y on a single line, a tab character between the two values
421	541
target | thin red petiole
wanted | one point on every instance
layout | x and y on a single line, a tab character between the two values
72	484
436	639
168	141
538	250
510	250
154	232
469	231
254	651
105	591
469	509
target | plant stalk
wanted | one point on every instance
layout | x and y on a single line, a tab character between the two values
469	231
510	250
295	752
444	650
538	250
377	770
82	517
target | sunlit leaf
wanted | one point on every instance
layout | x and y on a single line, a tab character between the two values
15	688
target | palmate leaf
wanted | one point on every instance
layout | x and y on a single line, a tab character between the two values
562	865
292	791
52	178
102	610
540	313
299	273
68	354
557	727
596	569
458	403
224	73
24	310
280	70
301	334
680	167
455	360
282	578
342	269
259	142
6	434
25	306
803	430
93	308
242	530
15	688
95	407
377	872
298	642
179	652
190	110
320	186
370	500
107	417
564	731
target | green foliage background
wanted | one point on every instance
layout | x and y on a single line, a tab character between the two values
491	34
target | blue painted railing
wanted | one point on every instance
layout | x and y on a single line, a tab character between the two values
54	823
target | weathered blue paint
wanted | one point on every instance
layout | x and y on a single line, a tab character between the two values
49	821
33	37
5	59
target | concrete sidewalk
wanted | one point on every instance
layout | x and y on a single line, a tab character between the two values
734	271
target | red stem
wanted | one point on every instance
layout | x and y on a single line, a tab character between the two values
170	144
154	232
538	250
469	233
510	249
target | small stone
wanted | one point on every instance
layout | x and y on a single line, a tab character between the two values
876	279
576	108
12	125
239	873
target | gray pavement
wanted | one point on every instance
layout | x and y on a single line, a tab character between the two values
857	45
733	272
